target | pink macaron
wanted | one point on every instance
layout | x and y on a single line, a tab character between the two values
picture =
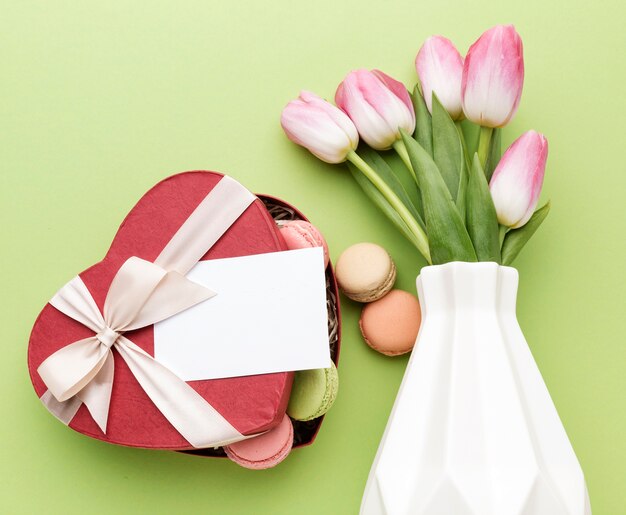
299	234
265	451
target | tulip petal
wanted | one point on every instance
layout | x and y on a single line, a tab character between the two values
516	182
319	126
378	105
400	91
493	77
439	67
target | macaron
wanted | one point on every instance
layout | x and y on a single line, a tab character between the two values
299	234
313	393
365	272
264	451
390	325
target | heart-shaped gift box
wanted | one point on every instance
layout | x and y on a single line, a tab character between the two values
251	404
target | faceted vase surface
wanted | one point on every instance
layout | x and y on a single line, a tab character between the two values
473	430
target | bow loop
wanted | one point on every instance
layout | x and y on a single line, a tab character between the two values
71	368
142	293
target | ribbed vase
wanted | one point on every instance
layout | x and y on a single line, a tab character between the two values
473	430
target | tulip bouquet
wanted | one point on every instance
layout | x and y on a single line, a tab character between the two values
473	428
450	193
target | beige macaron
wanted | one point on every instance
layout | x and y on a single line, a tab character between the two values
365	272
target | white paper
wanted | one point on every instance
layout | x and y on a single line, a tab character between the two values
269	315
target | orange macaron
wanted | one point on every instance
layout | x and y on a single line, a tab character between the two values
390	324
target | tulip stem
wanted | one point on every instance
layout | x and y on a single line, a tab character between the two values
503	230
401	150
483	144
420	236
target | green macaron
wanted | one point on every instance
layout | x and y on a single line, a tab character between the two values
313	393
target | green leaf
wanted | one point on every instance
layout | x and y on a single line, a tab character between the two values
379	200
413	204
461	198
471	131
459	129
448	239
517	238
495	152
482	221
423	121
447	147
405	176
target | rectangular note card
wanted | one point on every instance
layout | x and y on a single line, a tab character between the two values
269	315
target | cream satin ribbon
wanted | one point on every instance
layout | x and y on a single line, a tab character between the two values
141	294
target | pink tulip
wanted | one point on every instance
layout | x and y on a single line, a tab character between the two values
517	180
440	70
319	126
378	105
493	76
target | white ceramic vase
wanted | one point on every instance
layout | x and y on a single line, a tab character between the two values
473	429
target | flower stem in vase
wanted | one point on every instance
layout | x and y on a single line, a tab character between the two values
483	144
396	203
503	230
400	149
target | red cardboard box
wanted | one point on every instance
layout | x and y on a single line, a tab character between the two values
251	404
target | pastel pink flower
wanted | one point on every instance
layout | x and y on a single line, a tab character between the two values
493	77
440	69
378	105
320	127
516	182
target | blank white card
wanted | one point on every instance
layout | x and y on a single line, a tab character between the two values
269	315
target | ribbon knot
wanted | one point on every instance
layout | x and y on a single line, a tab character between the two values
107	337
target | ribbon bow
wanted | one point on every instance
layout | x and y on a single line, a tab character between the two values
141	294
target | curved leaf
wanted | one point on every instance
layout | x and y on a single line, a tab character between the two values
517	238
447	147
482	221
495	152
405	177
448	239
423	121
387	174
470	132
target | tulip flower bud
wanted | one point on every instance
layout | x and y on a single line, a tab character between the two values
440	70
516	182
378	105
493	76
320	127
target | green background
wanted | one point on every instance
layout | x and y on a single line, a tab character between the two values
100	100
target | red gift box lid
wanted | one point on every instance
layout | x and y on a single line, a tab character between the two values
251	404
